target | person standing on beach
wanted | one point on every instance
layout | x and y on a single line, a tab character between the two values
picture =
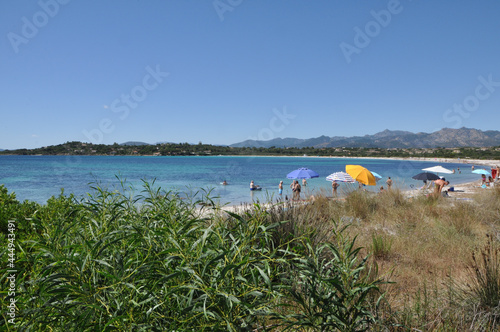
304	182
389	183
440	183
494	173
335	185
280	188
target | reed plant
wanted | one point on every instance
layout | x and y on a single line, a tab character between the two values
117	260
330	289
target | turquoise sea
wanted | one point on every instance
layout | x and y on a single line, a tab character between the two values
37	178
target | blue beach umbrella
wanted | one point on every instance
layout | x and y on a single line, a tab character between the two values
481	171
302	173
376	175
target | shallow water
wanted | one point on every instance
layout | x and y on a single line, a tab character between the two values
37	178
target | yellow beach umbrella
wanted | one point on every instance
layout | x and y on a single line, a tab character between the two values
361	174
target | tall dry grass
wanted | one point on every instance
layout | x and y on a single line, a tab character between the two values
424	244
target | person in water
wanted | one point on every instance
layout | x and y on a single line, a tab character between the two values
253	186
280	188
296	190
389	183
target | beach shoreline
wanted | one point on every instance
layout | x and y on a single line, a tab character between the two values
466	161
464	190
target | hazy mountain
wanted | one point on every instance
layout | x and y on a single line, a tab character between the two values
134	143
277	142
447	137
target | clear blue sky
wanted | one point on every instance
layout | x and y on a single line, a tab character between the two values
223	71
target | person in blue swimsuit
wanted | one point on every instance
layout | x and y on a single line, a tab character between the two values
280	188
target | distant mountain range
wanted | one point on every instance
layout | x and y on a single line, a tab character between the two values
446	138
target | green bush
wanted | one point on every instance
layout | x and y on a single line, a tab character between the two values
118	261
331	290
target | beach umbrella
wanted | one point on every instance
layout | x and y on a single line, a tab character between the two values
302	173
340	176
481	171
425	176
361	174
437	169
376	175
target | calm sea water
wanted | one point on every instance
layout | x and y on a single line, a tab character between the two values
37	178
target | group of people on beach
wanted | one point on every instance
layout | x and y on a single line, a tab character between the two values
439	184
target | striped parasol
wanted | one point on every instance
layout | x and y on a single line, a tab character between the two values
340	176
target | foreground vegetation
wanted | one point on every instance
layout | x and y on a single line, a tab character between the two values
185	149
154	262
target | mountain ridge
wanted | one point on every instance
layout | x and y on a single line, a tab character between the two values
446	138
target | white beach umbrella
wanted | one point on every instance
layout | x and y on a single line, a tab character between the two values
340	176
437	169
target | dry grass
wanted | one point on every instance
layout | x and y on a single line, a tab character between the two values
417	242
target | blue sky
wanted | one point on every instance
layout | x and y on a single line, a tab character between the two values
224	71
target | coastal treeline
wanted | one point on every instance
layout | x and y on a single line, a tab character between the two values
159	261
200	149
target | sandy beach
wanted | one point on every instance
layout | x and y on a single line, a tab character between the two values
460	190
466	161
